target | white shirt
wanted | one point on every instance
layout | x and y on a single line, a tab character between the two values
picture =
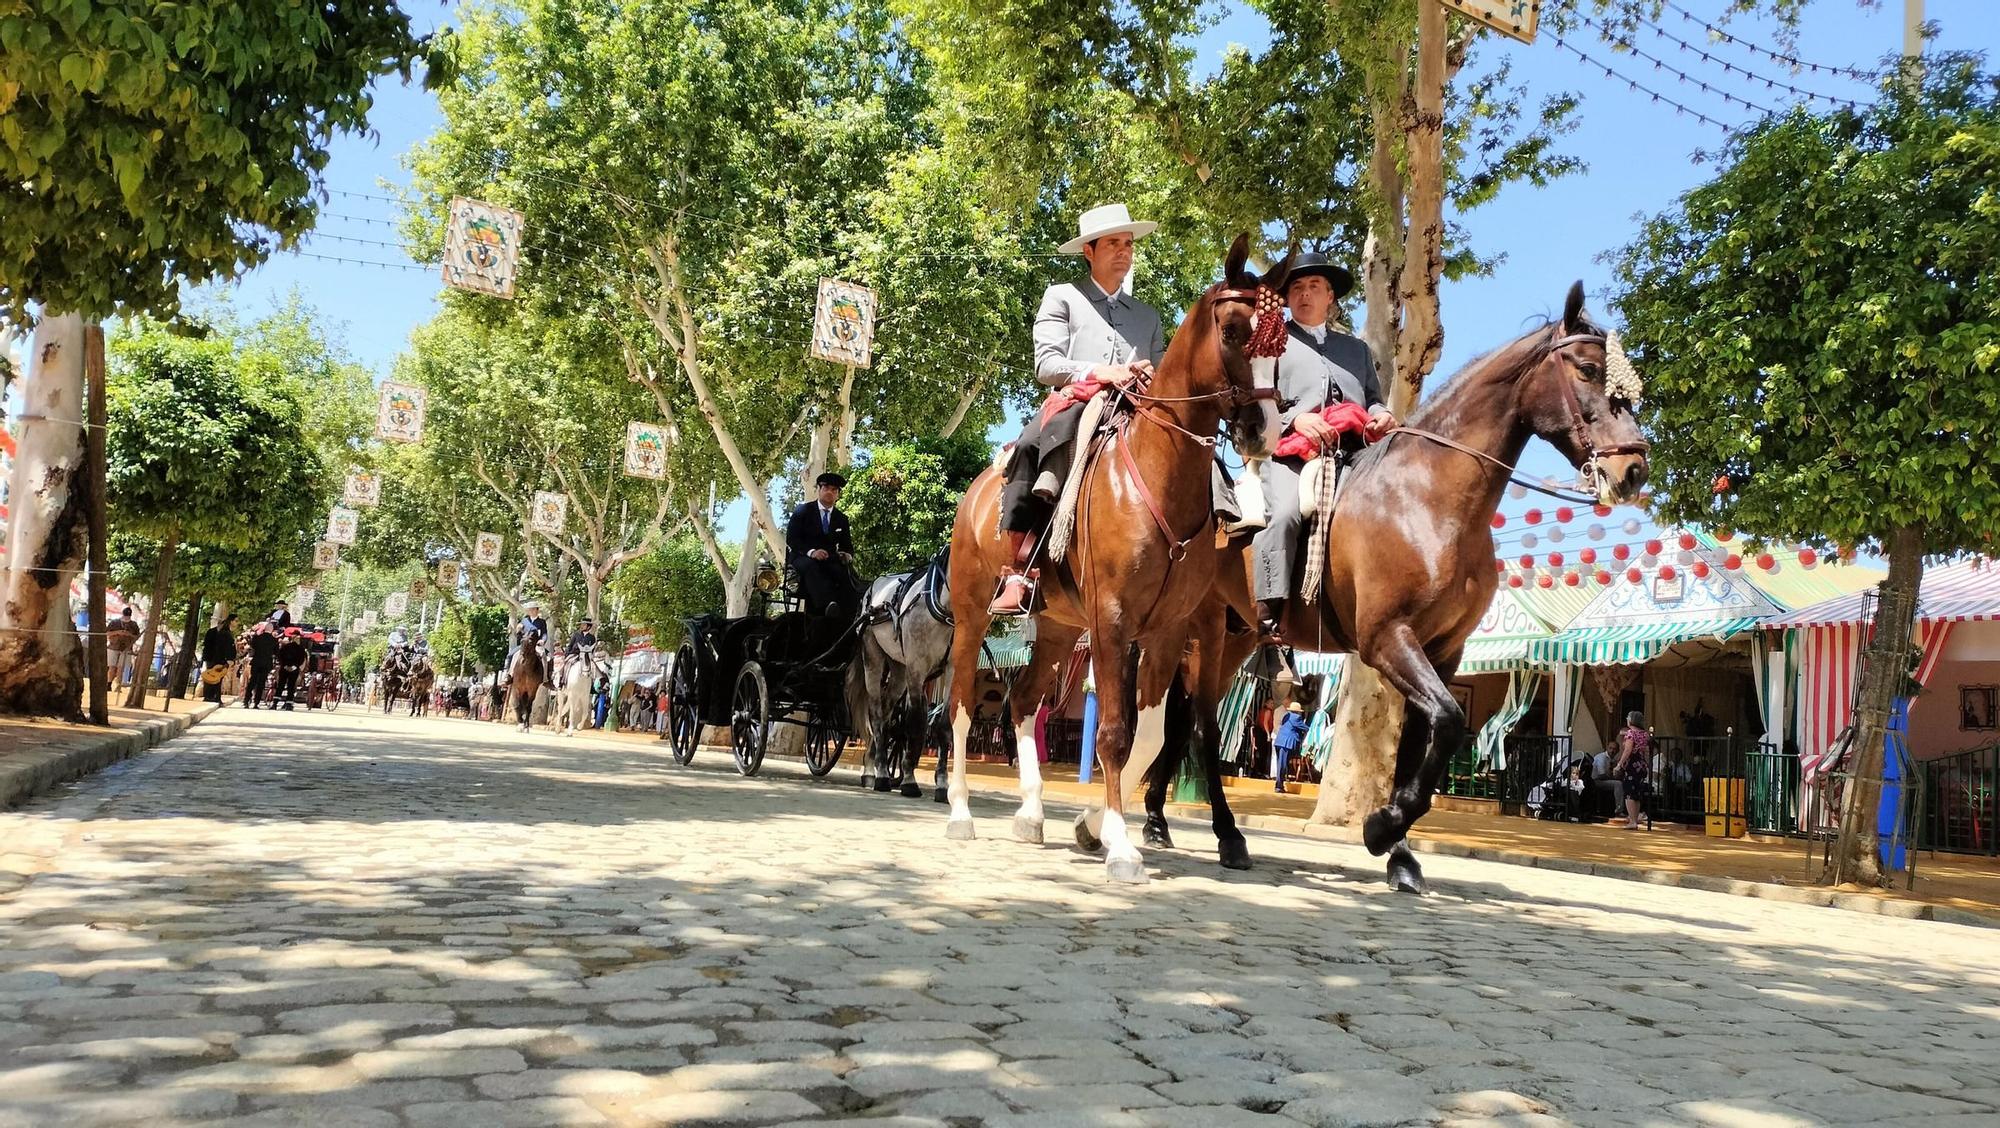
1318	331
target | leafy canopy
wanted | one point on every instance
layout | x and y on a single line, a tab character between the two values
1820	325
902	504
673	582
146	144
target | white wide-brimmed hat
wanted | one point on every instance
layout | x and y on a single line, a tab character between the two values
1111	219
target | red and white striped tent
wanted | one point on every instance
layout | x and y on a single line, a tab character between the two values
1830	636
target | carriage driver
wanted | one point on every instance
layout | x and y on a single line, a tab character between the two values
1327	387
819	546
1088	334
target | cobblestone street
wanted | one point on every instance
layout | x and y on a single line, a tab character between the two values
349	921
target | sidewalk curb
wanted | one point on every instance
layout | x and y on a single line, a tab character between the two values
40	771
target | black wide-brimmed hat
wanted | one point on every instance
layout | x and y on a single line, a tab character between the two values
831	478
1306	264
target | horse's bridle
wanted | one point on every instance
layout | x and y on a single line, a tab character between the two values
1578	429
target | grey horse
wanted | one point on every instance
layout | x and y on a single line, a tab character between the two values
905	642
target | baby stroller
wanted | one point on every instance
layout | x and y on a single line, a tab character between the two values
1566	796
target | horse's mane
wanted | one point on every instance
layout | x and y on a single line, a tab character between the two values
1507	363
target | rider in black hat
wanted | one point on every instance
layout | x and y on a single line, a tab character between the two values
819	546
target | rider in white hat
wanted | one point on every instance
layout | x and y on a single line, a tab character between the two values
1088	333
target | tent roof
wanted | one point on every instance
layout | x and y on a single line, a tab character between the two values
1967	591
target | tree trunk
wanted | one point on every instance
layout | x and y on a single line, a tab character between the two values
1857	854
843	441
1421	338
41	660
744	581
184	661
965	402
817	454
593	595
142	662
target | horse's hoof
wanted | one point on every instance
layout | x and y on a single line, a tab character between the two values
883	784
1126	871
940	795
914	791
1157	834
1405	875
1086	841
1027	830
1378	832
1233	854
959	830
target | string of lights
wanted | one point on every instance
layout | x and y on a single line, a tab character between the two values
1618	39
1777	56
1733	68
1641	88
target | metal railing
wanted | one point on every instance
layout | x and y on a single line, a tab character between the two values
1961	802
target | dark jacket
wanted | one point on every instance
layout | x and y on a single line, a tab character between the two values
263	648
291	652
580	641
803	533
279	619
1312	374
217	648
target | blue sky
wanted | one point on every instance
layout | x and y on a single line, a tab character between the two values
1638	151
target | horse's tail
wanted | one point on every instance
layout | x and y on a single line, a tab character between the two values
860	716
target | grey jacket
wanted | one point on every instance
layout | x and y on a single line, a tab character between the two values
1311	375
1079	327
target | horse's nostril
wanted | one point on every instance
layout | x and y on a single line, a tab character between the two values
1635	475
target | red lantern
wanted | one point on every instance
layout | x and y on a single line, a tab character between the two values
1700	569
1499	522
1666	571
1543	581
1653	547
1732	562
1634	575
1808	557
1532	516
1603	578
1588	556
1571	579
1601	510
1766	561
1687	540
1555	559
1565	514
1514	581
1500	566
1527	560
1621	552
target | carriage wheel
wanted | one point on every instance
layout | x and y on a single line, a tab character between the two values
683	714
822	749
749	719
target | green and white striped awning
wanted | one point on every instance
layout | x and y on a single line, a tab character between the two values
1495	655
1630	644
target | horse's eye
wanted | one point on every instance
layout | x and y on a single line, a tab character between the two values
1590	371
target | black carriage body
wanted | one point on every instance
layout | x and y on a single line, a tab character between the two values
751	673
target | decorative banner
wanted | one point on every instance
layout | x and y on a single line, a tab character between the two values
400	416
486	550
326	555
364	488
448	575
342	525
396	605
844	323
1514	18
482	247
551	512
367	621
419	588
645	450
303	596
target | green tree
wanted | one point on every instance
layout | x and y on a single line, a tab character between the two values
903	501
1820	326
143	147
671	583
472	639
188	431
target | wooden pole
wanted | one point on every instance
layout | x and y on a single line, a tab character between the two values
96	659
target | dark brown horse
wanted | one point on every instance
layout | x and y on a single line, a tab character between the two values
1409	556
525	677
1144	555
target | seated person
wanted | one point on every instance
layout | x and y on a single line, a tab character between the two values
819	547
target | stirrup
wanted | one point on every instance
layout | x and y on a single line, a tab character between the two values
1018	582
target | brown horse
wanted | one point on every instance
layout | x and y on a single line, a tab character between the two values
1409	554
525	677
1144	554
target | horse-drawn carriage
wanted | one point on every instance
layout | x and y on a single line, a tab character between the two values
322	671
752	673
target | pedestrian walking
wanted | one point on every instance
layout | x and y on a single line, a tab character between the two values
263	655
120	636
218	651
1291	734
1635	768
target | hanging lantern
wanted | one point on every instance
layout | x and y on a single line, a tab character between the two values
1667	571
1514	581
1595	532
1588	556
1500	566
1621	552
1555	559
1517	491
1571	579
1649	562
1499	522
1530	540
1633	575
1543	581
1766	561
1732	562
1684	557
1688	541
1631	526
1527	561
1700	569
1532	516
1808	558
1601	510
1654	546
1565	514
1603	578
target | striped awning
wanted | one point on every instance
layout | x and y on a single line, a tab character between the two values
1494	655
1008	652
1234	711
1965	592
1314	662
1628	645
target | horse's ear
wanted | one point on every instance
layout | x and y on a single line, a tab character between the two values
1239	254
1573	306
1274	278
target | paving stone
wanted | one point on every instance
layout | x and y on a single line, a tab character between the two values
565	1082
724	1108
531	1113
381	1016
436	1063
